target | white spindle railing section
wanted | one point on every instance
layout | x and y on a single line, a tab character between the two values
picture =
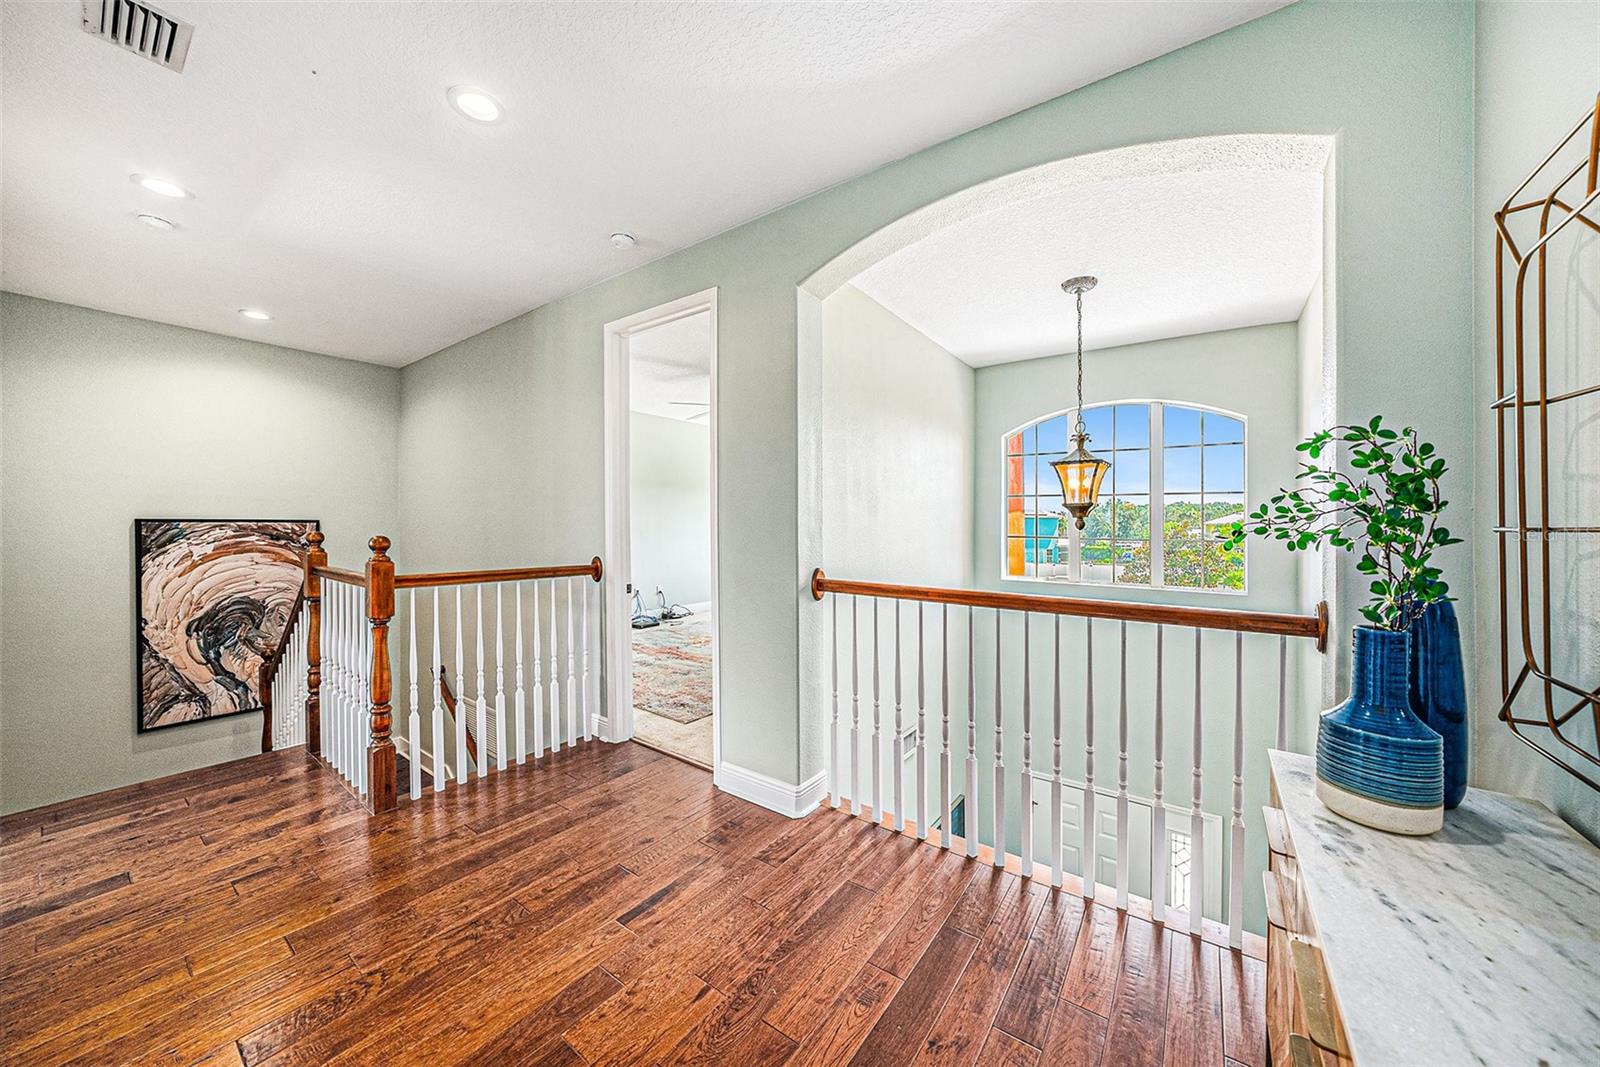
286	692
448	724
1175	850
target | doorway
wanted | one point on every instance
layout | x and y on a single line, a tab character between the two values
661	606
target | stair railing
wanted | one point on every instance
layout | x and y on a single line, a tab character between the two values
281	682
350	674
951	787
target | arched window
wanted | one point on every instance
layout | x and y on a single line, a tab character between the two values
1177	482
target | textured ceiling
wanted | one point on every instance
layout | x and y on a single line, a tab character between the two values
337	189
670	369
1234	242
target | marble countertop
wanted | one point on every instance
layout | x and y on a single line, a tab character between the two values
1478	944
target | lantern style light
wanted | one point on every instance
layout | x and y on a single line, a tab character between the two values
1080	470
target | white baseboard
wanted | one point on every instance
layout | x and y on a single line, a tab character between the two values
795	801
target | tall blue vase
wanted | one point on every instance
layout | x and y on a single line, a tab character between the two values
1439	690
1378	763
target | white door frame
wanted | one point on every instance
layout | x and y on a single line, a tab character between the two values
618	704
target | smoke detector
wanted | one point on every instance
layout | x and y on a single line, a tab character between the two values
136	27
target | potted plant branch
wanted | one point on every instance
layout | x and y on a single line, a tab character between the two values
1378	762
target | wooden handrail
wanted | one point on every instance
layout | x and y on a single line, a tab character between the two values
592	569
339	574
1251	622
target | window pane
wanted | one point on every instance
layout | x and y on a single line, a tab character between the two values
1221	430
1133	425
1182	562
1053	436
1050	503
1130	473
1016	563
1133	562
1132	515
1098	422
1181	469
1181	516
1097	561
1049	481
1016	507
1224	469
1098	522
1013	443
1014	475
1181	425
1030	440
1222	509
1224	570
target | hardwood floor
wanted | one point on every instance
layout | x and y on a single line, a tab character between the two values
603	906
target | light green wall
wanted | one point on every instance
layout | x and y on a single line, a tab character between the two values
670	505
896	444
1538	68
501	436
105	419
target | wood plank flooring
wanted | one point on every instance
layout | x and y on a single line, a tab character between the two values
603	906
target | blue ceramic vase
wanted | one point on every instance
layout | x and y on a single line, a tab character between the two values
1439	690
1378	763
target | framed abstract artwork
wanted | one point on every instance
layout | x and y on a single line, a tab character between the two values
213	599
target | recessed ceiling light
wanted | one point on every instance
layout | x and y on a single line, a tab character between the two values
623	240
255	314
162	187
474	103
156	222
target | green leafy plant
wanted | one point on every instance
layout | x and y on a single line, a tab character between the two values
1388	511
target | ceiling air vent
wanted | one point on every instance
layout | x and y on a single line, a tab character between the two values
141	29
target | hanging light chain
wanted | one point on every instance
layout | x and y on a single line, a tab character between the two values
1080	426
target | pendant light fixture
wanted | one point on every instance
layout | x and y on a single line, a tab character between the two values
1080	470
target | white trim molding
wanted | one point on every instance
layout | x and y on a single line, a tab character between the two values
795	801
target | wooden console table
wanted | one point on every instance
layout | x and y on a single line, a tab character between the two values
1478	944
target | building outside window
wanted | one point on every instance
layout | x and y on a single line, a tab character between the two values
1161	521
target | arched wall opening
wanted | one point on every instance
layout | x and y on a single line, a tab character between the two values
866	376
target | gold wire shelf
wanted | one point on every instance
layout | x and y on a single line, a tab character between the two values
1524	527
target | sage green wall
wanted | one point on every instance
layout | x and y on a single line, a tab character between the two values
1538	71
501	435
105	419
671	509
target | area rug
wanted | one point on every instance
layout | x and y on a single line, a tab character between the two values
672	669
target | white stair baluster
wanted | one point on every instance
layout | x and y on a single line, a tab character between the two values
1160	853
572	675
499	677
897	817
1089	873
922	729
435	665
414	725
538	679
462	756
555	676
1197	867
521	698
877	731
480	720
855	710
833	717
583	711
944	726
1122	768
1056	843
1025	783
971	783
1236	856
999	761
1283	694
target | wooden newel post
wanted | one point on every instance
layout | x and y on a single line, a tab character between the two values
380	609
315	557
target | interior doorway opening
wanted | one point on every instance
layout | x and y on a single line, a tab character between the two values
661	527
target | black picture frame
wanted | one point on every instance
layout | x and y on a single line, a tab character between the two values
143	537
